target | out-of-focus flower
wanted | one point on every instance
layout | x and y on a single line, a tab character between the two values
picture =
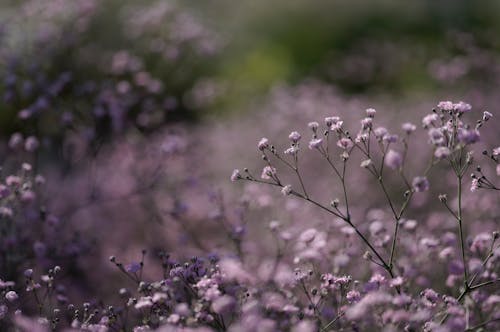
420	184
393	159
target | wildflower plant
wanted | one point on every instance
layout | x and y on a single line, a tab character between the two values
385	156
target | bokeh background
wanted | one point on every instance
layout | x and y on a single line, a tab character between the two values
141	110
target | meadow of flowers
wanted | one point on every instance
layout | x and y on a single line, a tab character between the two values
144	186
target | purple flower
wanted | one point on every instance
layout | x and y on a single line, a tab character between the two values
436	136
442	152
474	185
462	107
315	143
446	105
420	184
294	136
11	296
468	136
408	127
429	119
31	144
344	143
393	159
133	267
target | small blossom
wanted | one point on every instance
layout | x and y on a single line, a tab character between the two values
408	127
31	144
361	137
16	141
13	180
371	112
286	190
436	136
236	175
393	159
274	225
462	107
366	123
396	282
474	185
496	152
487	116
337	126
313	125
6	212
498	170
353	296
429	119
366	163
11	296
133	267
446	105
468	136
380	132
420	184
344	143
331	120
442	152
390	138
263	144
268	173
315	143
294	136
292	150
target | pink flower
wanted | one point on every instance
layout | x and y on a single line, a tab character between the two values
429	119
474	185
420	184
294	136
331	120
446	105
393	159
408	127
268	173
371	112
380	132
313	125
286	190
487	116
236	175
263	144
315	143
468	136
442	152
462	107
344	143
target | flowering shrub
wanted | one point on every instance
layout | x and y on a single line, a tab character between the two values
92	86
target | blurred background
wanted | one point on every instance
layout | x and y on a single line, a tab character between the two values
136	112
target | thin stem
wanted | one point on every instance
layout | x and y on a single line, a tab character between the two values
296	169
483	324
460	228
393	246
333	321
486	283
